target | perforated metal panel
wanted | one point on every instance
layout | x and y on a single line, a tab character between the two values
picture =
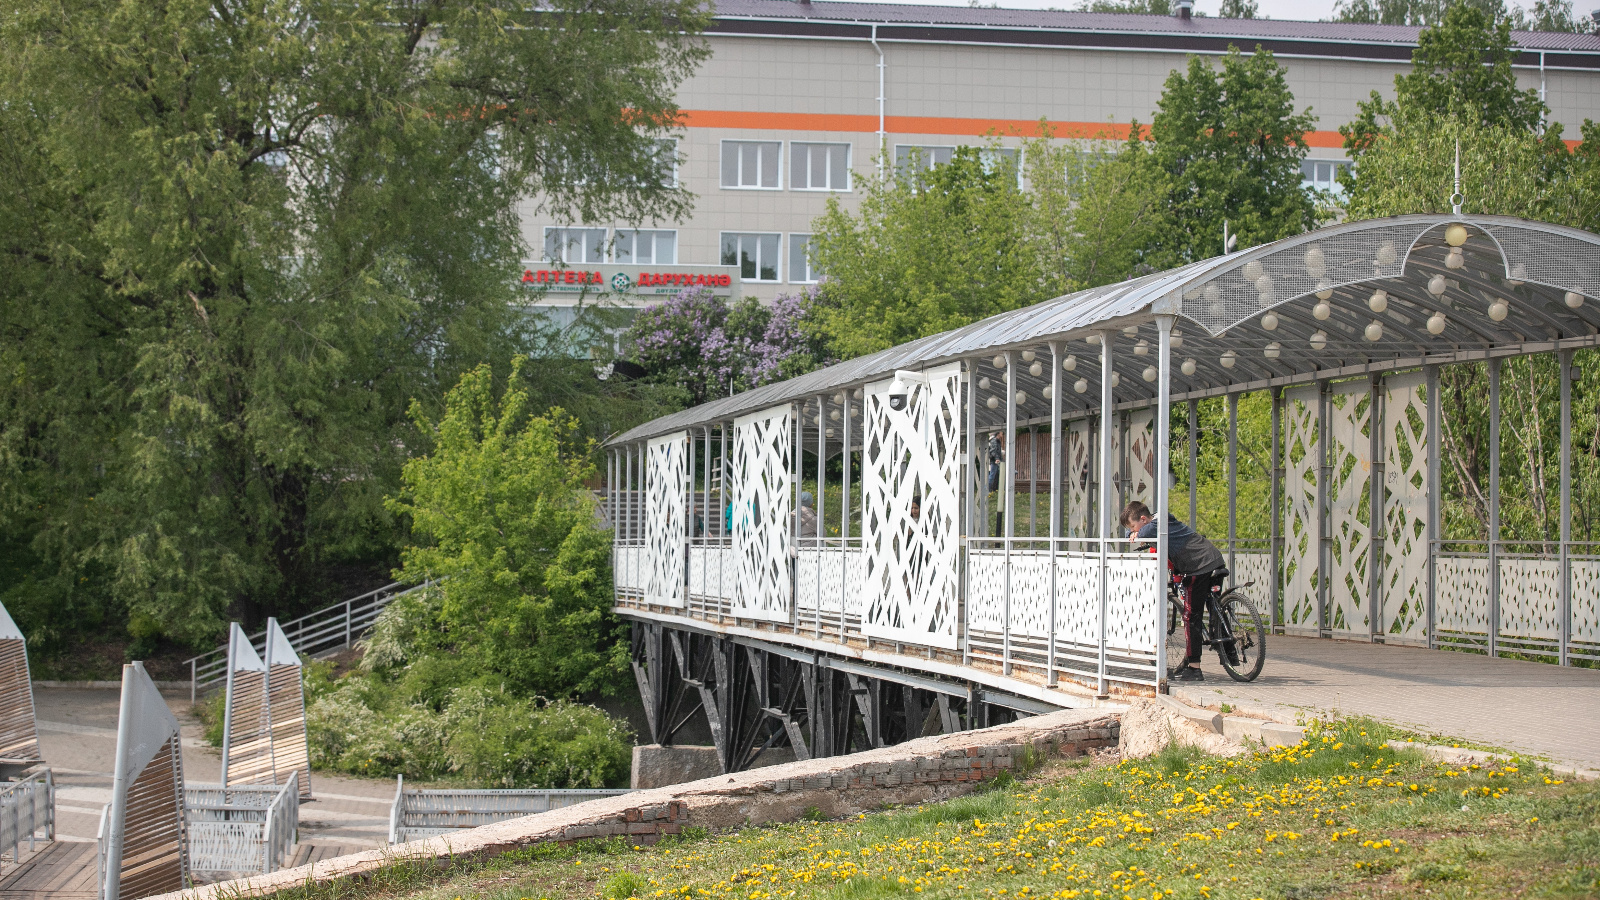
1349	508
911	463
1302	513
666	517
762	504
1405	509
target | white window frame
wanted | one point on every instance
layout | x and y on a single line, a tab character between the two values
1334	188
777	266
925	156
803	257
738	167
605	244
849	165
616	239
670	147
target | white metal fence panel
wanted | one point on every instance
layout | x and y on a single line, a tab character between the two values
711	572
1302	518
666	519
631	566
1349	509
911	470
418	814
762	506
241	830
27	812
1405	509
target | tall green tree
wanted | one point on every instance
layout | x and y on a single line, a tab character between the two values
1230	143
1460	69
240	237
932	249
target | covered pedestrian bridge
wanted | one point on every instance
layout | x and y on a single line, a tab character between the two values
926	594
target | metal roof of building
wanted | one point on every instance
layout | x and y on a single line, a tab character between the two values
1318	283
1114	23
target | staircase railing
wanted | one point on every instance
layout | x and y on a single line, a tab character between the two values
330	628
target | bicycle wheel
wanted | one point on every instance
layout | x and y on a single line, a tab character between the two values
1175	639
1248	644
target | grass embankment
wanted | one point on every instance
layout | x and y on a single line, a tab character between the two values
1339	816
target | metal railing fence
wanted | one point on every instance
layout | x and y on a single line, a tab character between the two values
332	627
27	807
242	828
420	814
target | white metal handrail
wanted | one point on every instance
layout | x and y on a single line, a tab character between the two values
326	629
27	807
425	813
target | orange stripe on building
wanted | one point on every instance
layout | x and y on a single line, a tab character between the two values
771	121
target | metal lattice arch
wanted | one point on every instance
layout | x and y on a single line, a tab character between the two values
1346	328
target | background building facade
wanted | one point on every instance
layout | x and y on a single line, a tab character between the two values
797	98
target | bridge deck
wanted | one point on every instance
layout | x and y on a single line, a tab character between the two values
1527	706
60	870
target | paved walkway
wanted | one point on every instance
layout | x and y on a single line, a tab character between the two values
1526	706
78	738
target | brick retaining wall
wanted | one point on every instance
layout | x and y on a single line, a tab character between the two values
919	771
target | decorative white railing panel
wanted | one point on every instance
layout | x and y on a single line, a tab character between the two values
418	814
1254	568
1585	600
762	503
1078	601
911	459
711	572
1530	598
631	566
666	517
1405	509
833	575
1076	469
1302	532
1132	587
1030	594
1349	508
986	590
1462	589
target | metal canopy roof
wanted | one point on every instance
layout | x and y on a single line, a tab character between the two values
1319	282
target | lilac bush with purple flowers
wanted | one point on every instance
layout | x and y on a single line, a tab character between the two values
710	347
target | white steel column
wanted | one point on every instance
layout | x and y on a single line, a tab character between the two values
1233	483
1275	527
1056	440
974	457
1194	463
1008	484
1435	489
1163	499
1106	515
797	410
1494	506
1564	362
818	542
1377	530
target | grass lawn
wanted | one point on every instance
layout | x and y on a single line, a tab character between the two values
1341	815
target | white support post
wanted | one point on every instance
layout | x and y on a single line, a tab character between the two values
1494	506
975	466
797	443
822	508
1194	464
1163	438
1107	401
1276	525
1233	484
1376	488
1008	483
1564	362
1435	506
1056	441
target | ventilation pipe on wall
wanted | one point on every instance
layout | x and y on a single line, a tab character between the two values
883	147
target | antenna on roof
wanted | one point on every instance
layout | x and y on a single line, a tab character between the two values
1457	197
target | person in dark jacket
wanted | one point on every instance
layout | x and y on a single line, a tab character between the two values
1193	556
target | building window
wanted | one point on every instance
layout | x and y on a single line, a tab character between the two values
819	167
667	159
646	247
921	156
751	164
756	255
1322	175
995	158
575	245
800	269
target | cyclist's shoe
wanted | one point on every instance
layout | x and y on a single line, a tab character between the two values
1187	672
1231	651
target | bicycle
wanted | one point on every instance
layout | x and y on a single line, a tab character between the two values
1241	642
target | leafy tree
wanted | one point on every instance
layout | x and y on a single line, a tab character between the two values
1424	13
1120	220
1230	144
1462	69
1132	7
239	239
501	505
1239	9
931	250
707	347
